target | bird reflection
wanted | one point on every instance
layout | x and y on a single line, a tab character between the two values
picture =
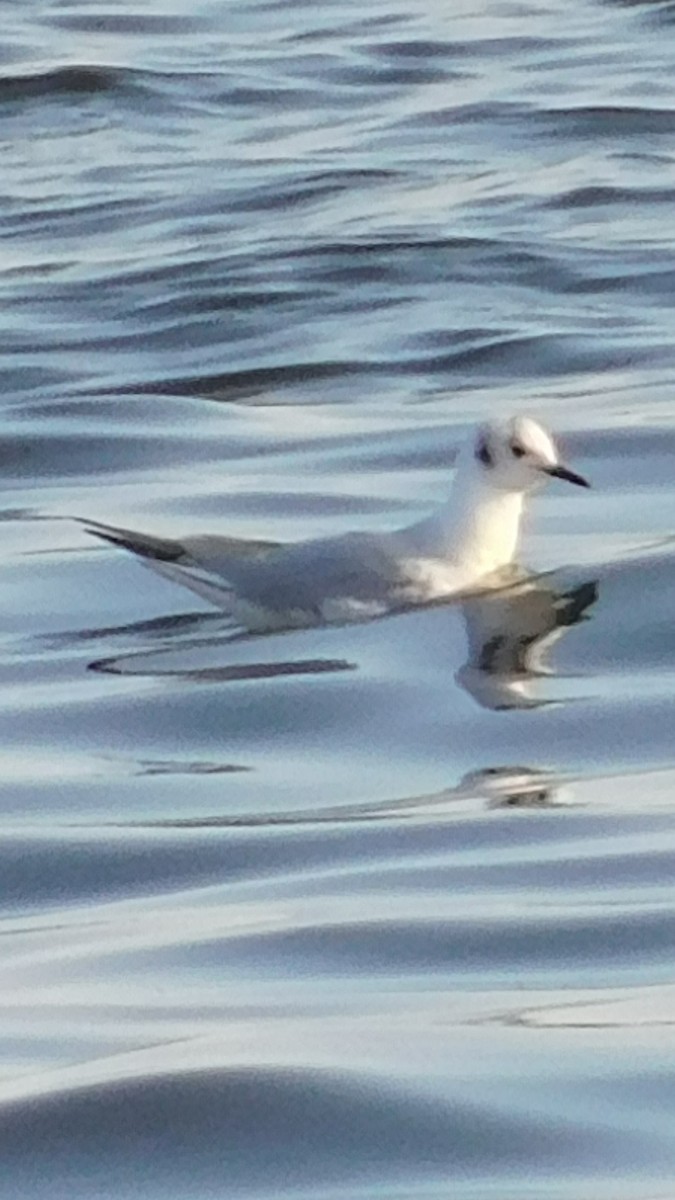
514	787
509	634
488	787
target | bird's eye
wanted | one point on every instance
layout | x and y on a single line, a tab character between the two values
516	450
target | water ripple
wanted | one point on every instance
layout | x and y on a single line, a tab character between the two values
347	911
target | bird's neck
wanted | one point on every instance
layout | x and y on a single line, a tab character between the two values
477	528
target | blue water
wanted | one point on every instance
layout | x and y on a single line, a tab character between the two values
385	910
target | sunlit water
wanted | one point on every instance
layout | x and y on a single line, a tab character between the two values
378	910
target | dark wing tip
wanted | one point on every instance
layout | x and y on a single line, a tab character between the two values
141	544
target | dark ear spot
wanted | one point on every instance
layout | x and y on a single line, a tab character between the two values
483	453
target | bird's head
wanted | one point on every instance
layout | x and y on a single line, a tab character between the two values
519	456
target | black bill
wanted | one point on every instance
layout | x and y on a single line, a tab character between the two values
570	476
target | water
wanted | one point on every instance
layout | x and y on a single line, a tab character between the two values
384	910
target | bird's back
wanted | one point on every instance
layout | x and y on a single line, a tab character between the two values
310	577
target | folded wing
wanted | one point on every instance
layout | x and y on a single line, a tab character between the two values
266	585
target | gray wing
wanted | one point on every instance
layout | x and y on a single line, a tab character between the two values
271	576
304	576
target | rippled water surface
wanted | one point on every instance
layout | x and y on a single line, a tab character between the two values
382	910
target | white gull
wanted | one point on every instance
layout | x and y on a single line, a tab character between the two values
461	547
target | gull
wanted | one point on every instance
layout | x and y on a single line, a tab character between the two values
462	547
